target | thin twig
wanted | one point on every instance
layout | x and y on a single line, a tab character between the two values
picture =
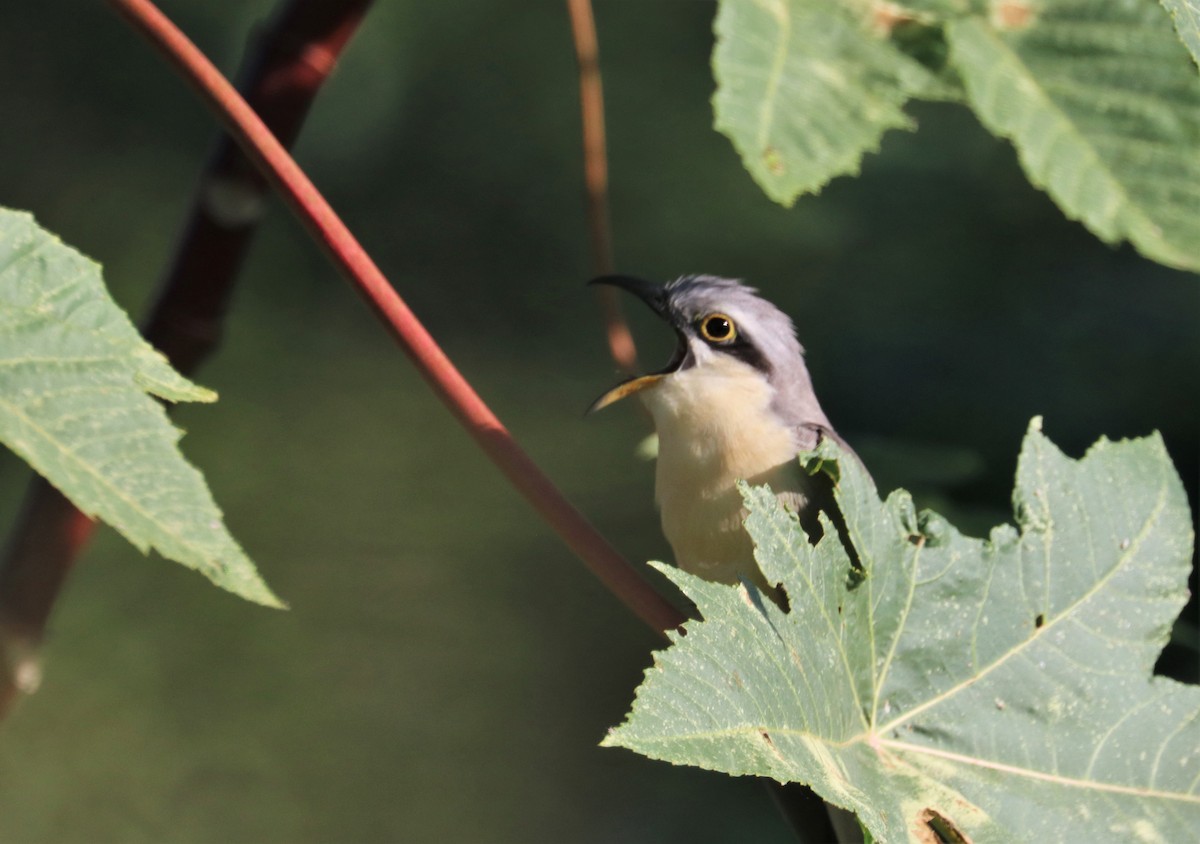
283	71
595	179
445	380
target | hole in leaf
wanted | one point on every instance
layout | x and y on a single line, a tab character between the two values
825	474
784	602
935	828
1039	621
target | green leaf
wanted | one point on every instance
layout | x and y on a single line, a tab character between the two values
1186	14
74	379
1103	106
806	87
999	689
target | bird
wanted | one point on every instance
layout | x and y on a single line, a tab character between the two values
734	403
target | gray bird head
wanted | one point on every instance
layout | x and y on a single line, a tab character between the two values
714	317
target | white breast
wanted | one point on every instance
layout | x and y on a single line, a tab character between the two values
715	427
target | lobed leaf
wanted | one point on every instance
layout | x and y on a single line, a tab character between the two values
1103	106
76	382
998	689
1098	96
806	87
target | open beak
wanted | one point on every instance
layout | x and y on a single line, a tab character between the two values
652	295
626	388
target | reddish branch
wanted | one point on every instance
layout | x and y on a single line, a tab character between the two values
449	385
286	66
595	178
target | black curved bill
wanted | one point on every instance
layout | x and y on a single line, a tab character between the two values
649	292
655	297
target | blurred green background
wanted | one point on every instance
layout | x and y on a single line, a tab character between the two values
447	669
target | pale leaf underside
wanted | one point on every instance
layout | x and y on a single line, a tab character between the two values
804	89
74	383
1186	15
1098	96
1003	687
1104	109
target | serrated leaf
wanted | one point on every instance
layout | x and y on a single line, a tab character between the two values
74	382
1186	15
805	88
1103	106
1001	689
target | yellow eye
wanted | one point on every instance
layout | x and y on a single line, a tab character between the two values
718	328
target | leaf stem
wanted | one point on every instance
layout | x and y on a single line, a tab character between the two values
463	402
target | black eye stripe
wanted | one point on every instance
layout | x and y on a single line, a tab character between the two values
747	353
